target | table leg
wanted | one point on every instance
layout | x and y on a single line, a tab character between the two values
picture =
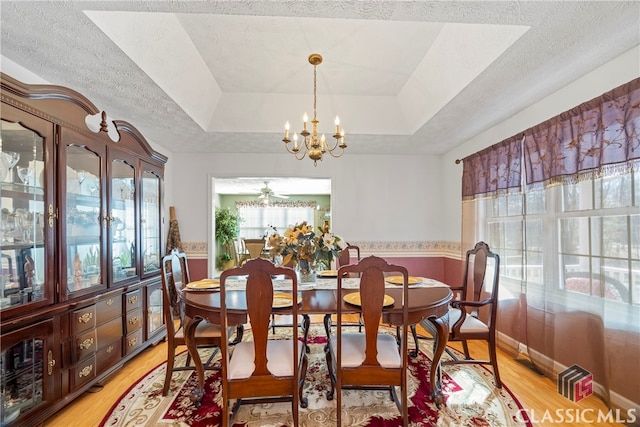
189	334
442	337
306	324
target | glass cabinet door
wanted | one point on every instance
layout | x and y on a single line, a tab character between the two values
155	317
83	220
122	219
28	366
150	222
23	217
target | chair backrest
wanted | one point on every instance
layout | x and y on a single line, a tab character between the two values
372	272
175	275
480	280
254	247
259	300
345	255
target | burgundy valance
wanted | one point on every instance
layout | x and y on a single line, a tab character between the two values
598	137
494	169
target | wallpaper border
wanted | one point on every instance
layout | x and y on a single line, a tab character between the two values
199	250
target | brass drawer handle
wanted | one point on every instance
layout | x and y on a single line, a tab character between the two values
133	299
134	320
51	362
110	302
86	344
85	318
109	349
86	371
133	341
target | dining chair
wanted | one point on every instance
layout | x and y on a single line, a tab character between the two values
264	369
347	254
175	275
473	317
344	258
369	359
254	247
242	255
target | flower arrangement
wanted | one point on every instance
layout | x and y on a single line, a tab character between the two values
303	247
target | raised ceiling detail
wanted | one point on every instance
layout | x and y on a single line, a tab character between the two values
413	77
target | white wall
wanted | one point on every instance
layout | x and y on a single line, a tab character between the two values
374	197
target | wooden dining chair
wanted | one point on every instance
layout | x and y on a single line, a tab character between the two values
175	275
345	257
351	252
254	247
242	254
369	359
473	317
263	369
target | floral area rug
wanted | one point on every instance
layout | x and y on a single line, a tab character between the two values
471	399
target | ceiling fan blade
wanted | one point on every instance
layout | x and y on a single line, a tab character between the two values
280	196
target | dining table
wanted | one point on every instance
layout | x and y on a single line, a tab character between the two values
428	299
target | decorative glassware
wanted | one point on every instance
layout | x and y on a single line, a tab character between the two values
11	159
25	174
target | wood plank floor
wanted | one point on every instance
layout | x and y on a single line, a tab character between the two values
535	392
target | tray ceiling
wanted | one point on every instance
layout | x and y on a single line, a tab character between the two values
412	77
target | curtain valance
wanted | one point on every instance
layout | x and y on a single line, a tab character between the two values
598	137
278	204
494	169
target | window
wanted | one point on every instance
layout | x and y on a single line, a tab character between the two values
258	220
584	237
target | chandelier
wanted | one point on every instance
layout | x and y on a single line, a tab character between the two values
312	145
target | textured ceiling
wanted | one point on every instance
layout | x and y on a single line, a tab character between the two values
414	77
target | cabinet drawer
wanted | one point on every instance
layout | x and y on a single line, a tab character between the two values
134	321
108	309
133	300
83	372
85	345
83	319
133	341
108	356
109	332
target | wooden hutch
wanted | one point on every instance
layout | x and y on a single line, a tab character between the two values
81	228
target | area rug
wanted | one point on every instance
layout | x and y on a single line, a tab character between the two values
471	399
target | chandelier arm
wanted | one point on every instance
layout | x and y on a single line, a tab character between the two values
329	150
295	154
337	155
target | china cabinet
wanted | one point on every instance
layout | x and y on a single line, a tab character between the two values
81	223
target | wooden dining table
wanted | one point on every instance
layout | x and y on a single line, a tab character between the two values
429	302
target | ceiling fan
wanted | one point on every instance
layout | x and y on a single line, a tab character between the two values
266	193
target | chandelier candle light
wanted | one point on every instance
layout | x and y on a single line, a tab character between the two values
311	144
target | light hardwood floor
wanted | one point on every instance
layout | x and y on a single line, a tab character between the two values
535	392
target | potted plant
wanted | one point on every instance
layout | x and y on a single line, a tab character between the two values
227	229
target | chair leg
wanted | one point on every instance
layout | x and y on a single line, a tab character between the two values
494	361
168	374
465	347
239	334
394	397
414	332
